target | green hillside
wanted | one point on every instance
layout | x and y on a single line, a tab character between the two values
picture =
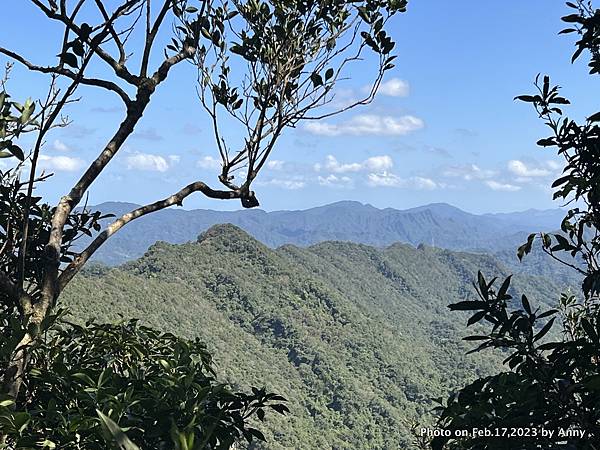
359	339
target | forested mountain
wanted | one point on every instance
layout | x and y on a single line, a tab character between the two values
358	338
439	225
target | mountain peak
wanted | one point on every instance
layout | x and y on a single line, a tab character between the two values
117	208
438	207
345	204
226	233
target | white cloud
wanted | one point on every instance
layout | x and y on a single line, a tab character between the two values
387	179
553	165
368	124
275	164
333	165
395	87
520	169
374	164
208	162
423	184
60	146
335	181
60	163
149	162
469	172
496	186
378	163
378	170
291	184
384	179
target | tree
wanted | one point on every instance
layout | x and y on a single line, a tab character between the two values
550	396
88	384
80	380
287	57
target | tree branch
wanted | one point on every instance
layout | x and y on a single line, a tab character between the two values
151	35
94	43
113	32
15	293
176	199
109	85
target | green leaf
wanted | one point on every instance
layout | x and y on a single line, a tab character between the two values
69	59
16	151
594	117
316	79
547	313
502	293
525	249
21	420
47	444
257	434
546	142
481	281
476	338
27	111
281	409
476	317
561	180
468	306
544	330
572	18
85	378
526	98
116	432
526	305
592	383
77	47
589	330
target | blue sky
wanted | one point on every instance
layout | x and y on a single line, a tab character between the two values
444	127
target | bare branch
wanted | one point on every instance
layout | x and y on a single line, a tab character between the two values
58	70
113	32
120	70
151	34
15	293
176	199
562	261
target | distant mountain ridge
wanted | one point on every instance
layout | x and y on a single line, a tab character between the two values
437	224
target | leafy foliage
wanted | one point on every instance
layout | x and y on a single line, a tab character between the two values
553	384
102	386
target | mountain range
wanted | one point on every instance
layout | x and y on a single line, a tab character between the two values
438	225
358	338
